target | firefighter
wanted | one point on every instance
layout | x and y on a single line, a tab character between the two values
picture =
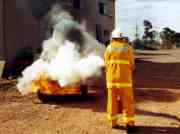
119	65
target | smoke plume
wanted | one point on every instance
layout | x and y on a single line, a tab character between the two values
69	57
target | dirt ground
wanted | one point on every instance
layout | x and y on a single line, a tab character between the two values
157	94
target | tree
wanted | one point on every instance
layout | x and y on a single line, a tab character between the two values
177	39
148	35
168	37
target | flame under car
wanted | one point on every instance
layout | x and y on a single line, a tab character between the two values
50	88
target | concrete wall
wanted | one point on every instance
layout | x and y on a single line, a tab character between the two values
21	29
1	31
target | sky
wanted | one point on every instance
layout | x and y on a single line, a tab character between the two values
161	13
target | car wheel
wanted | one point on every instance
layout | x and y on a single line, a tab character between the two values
84	91
42	97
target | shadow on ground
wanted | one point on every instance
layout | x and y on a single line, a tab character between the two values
156	95
157	130
95	100
153	130
157	81
154	53
163	115
150	74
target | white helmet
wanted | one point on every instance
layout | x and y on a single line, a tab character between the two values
116	33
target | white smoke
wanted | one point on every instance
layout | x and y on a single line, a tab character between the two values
30	74
63	59
70	67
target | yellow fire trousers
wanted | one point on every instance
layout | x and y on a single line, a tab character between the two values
121	106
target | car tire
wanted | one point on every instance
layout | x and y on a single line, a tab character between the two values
42	97
84	91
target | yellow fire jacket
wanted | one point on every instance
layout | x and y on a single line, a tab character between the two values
119	62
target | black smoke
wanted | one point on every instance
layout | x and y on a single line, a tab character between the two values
40	8
76	35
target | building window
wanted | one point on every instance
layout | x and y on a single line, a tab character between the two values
77	4
102	8
106	8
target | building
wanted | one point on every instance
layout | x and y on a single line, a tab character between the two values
20	23
99	15
18	31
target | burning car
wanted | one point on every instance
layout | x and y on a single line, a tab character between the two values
45	87
67	60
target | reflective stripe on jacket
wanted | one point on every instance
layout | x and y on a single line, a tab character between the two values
119	85
119	61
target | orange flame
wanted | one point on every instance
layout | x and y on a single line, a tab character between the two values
48	86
